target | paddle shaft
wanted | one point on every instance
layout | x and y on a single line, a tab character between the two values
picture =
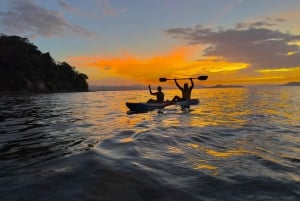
203	77
181	78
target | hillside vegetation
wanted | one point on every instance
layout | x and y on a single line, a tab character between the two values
24	68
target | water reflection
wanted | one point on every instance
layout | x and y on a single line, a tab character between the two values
37	128
235	137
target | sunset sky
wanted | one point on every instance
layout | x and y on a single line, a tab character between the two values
126	42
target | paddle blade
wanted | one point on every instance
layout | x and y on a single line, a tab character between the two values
162	79
203	77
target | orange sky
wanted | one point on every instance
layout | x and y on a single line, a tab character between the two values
127	69
257	49
271	58
137	42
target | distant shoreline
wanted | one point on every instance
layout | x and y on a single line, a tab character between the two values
140	87
225	86
136	88
292	84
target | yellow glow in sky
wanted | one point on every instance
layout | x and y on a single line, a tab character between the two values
279	70
178	62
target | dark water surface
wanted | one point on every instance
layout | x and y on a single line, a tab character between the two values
238	144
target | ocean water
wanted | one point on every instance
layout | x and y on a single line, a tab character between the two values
239	144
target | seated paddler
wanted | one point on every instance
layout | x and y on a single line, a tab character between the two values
159	95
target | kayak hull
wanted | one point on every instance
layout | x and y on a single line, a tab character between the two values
144	107
187	103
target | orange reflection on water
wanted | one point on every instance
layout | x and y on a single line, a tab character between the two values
198	166
226	154
125	140
203	164
224	106
175	150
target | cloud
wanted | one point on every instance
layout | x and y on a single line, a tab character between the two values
260	47
268	22
26	17
177	62
229	7
130	66
79	12
259	24
108	9
67	7
98	9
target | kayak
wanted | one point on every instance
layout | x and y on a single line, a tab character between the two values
144	107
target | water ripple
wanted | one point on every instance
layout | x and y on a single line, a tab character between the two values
85	146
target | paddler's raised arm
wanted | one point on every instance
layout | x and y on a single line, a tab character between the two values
177	84
150	90
192	86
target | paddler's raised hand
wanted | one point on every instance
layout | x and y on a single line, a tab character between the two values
149	88
192	86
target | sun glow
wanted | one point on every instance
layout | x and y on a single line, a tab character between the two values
291	53
178	62
279	70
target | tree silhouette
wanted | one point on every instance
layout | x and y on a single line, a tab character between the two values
24	68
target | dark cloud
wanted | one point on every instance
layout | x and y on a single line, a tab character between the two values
260	47
26	17
268	22
254	25
275	19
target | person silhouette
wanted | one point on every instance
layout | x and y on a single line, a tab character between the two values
159	95
186	91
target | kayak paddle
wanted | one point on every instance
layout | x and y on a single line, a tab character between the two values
202	77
